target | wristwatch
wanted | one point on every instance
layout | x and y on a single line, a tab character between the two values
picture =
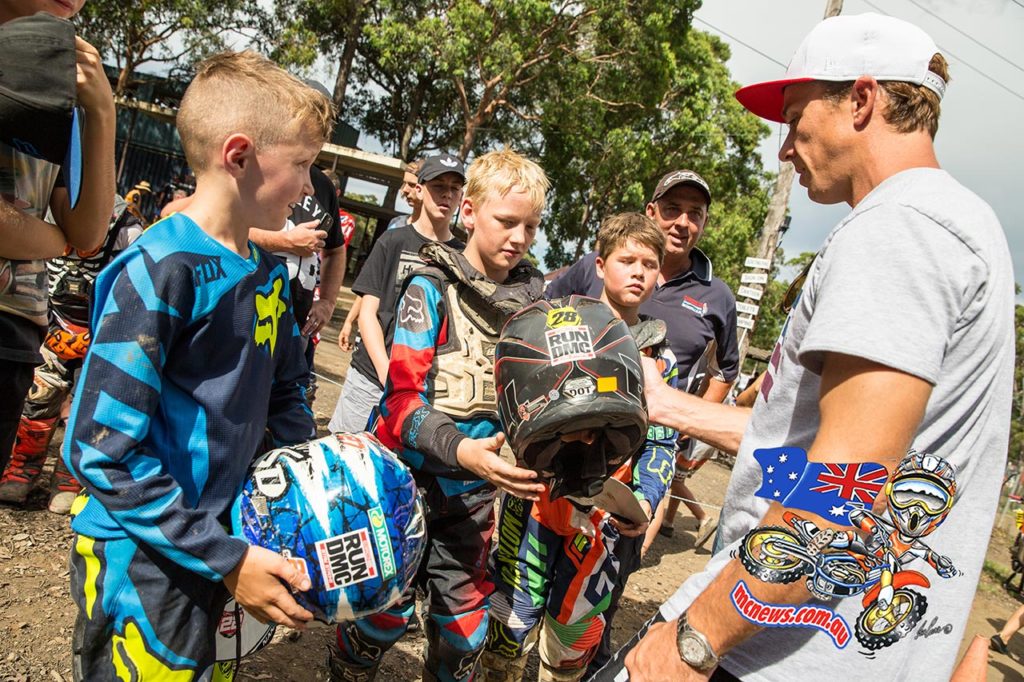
694	648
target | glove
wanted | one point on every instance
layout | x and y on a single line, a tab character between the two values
944	567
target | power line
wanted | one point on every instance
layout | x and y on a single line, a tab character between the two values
746	45
1017	2
965	34
949	53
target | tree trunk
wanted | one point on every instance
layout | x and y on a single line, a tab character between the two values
348	54
588	209
469	137
124	147
124	77
414	114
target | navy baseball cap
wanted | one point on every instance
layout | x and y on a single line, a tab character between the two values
434	166
38	94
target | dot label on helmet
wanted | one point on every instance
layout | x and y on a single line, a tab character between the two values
569	344
346	559
578	388
259	505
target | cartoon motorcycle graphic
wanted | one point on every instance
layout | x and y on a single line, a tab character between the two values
836	564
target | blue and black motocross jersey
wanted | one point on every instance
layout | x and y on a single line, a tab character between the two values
194	355
654	465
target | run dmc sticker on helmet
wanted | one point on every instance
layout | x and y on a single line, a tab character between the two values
346	559
569	344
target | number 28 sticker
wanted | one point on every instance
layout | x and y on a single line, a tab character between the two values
563	317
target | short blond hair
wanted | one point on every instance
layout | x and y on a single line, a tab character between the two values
503	171
620	228
414	166
244	92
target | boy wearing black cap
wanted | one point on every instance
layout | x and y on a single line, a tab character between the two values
40	60
394	256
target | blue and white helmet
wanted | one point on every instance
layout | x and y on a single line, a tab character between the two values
347	511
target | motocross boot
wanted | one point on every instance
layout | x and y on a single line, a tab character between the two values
339	670
547	674
27	459
496	668
63	488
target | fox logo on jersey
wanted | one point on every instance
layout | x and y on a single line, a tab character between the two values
270	305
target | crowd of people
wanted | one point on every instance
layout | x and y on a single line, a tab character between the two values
188	348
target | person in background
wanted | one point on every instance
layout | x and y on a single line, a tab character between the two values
346	341
312	246
42	52
70	284
395	255
697	307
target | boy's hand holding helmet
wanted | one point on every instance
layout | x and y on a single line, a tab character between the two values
339	519
481	456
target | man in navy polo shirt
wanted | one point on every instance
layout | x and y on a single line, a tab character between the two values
697	307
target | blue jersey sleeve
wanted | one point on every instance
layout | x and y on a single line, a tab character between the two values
142	310
289	418
653	470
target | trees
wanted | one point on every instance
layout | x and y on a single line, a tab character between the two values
613	129
1016	448
166	33
306	29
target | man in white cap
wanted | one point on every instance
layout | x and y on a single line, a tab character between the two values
899	354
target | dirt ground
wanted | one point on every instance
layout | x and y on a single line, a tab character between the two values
37	615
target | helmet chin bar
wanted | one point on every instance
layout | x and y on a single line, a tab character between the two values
578	469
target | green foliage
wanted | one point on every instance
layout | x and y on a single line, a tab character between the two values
607	141
1016	449
173	34
307	29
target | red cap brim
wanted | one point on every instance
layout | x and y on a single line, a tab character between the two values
765	99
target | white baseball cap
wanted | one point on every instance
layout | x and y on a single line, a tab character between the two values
844	48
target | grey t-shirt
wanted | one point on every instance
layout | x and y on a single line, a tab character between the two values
917	277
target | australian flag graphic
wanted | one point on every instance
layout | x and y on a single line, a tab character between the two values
829	490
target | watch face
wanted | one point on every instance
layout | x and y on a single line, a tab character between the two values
691	649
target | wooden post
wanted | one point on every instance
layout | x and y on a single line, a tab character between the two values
777	212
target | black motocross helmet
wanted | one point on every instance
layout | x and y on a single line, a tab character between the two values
564	366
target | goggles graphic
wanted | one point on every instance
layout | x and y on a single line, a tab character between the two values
920	491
